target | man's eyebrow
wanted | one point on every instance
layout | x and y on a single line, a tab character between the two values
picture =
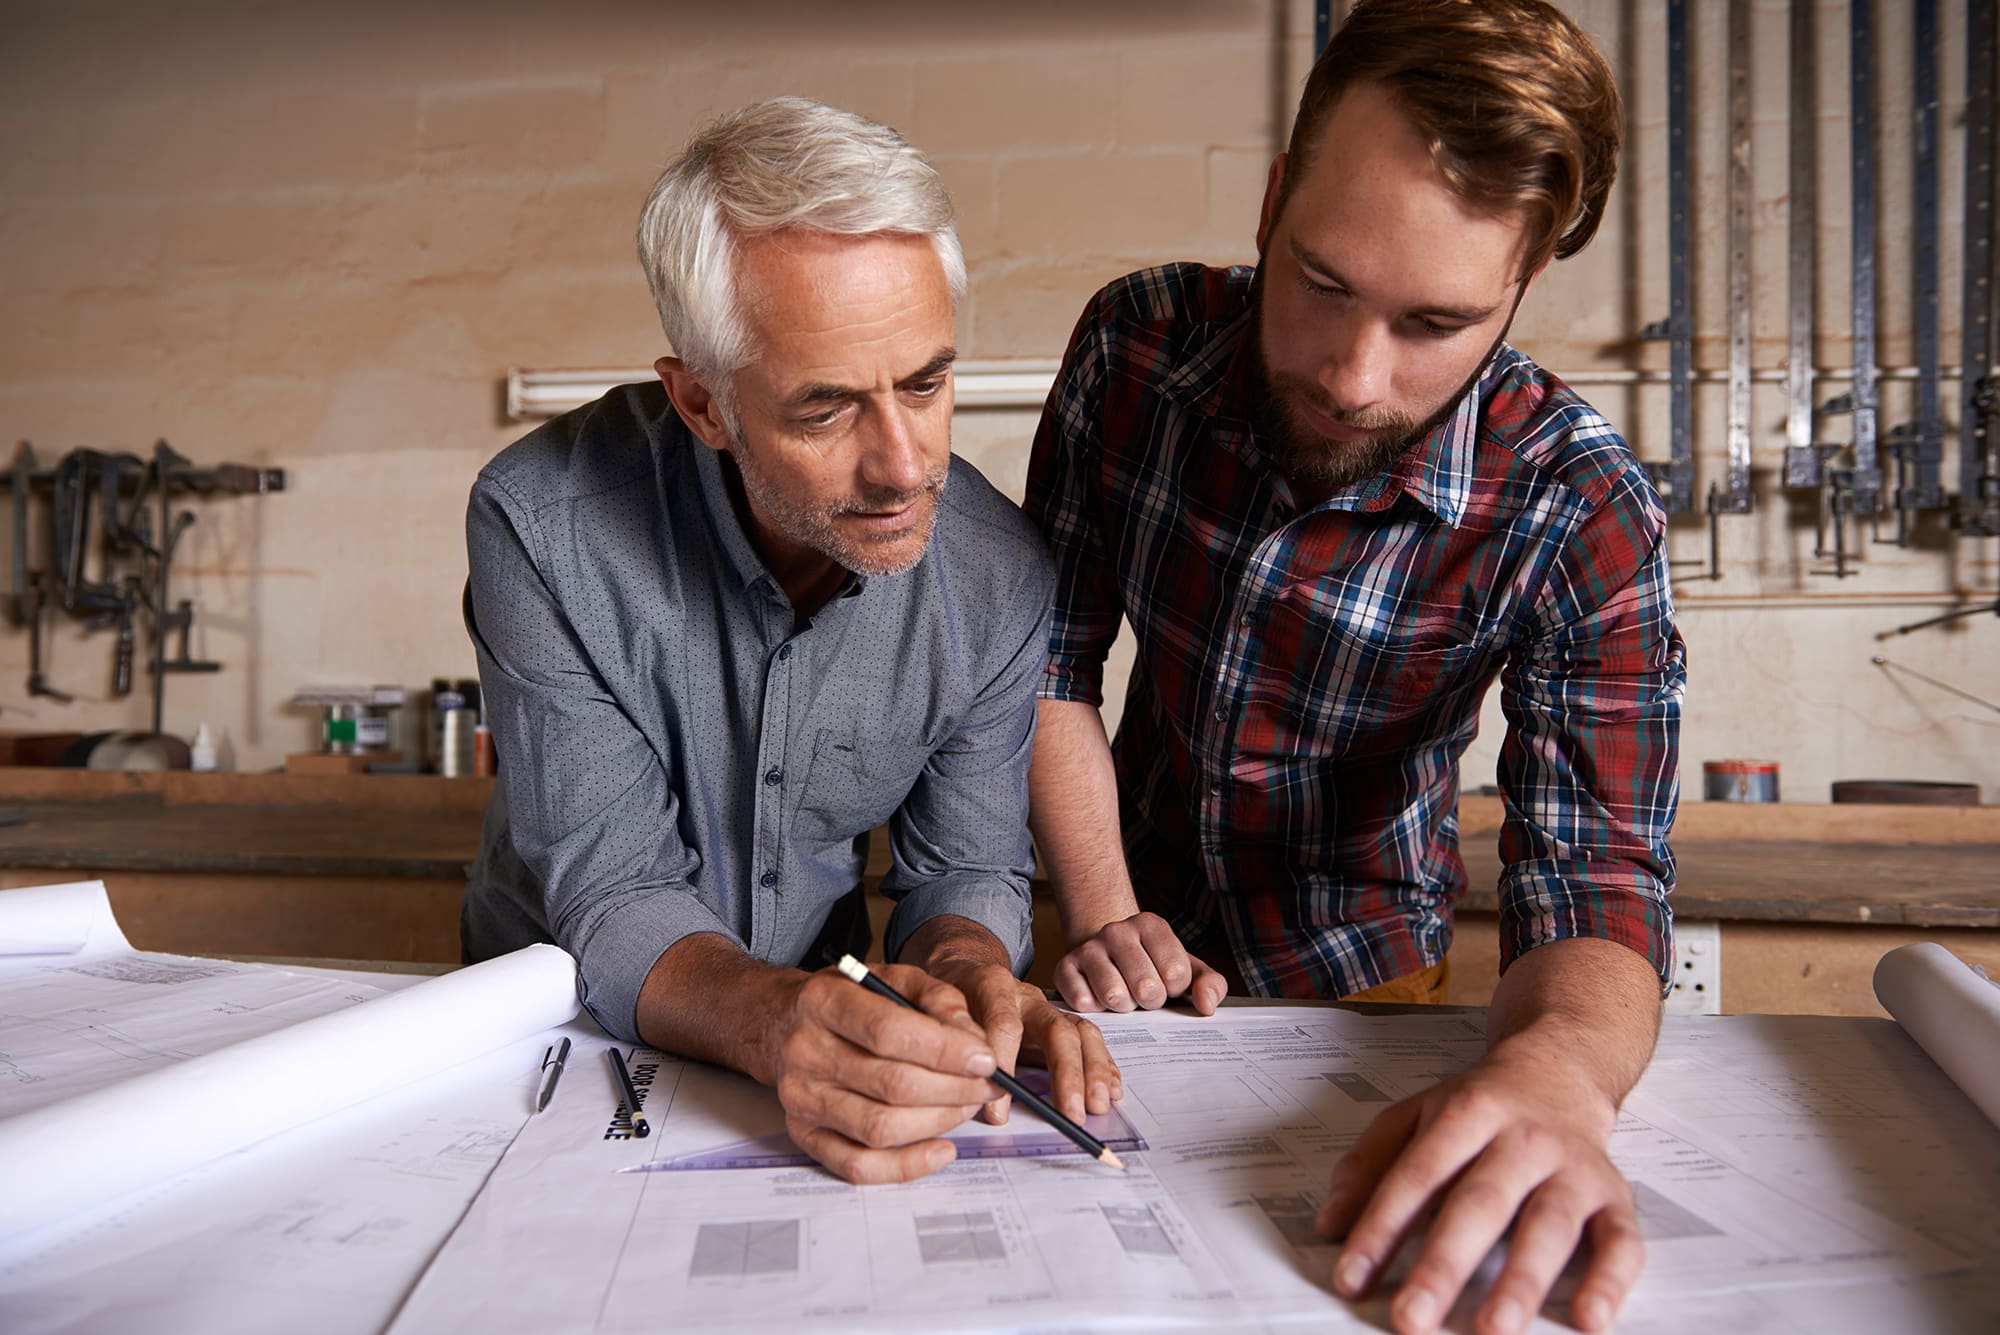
1463	314
933	368
808	395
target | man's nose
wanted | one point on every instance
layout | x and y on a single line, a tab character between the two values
894	460
1357	369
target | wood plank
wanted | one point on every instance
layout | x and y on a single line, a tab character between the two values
333	840
1807	969
1767	968
317	917
1792	822
1949	885
405	792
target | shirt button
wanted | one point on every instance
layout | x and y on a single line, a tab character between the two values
1245	620
784	652
774	777
768	879
1221	715
1215	790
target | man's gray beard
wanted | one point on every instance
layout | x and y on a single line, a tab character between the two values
814	528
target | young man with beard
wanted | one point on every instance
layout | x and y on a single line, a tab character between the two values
1334	505
729	622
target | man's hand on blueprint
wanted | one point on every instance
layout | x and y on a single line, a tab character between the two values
869	1087
1020	1021
1136	962
1518	1141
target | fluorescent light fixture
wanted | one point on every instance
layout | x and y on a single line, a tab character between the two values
1005	383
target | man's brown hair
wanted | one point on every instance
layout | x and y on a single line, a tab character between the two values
1519	109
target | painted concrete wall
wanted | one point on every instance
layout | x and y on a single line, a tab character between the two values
315	236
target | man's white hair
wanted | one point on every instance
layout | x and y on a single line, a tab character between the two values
787	162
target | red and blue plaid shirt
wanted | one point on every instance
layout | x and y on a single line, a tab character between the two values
1288	761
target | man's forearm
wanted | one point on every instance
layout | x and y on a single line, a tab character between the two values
704	998
1589	1006
1073	811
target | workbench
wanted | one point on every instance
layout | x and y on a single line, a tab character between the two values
371	867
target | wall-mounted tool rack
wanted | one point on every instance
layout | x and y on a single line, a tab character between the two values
1875	471
94	535
1976	510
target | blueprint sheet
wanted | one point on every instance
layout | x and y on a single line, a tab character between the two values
323	1227
1750	1202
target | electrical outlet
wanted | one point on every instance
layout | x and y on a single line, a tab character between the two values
1697	969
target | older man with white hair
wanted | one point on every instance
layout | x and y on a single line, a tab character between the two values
729	622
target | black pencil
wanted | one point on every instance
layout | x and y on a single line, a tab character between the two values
1034	1102
640	1127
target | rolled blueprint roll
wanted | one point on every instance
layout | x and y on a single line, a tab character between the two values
1952	1013
81	1151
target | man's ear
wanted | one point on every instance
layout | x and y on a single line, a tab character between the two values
693	400
1267	217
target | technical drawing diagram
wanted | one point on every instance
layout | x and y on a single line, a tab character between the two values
954	1236
1292	1215
740	1250
11	1070
148	969
1139	1230
320	1223
1358	1087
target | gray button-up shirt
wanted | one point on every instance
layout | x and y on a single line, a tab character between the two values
678	756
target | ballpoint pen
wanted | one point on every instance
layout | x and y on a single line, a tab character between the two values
552	1069
630	1094
1041	1107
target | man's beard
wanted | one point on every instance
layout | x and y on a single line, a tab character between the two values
1314	461
814	528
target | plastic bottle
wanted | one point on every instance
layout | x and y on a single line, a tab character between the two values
201	755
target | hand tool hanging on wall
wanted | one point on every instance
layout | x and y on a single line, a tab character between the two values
24	600
120	491
1917	447
1805	456
1857	489
1675	478
171	472
1977	513
29	600
1735	498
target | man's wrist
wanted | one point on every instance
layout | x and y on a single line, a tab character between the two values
1085	913
1550	1054
949	940
677	1010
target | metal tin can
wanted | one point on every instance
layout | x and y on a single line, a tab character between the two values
1739	780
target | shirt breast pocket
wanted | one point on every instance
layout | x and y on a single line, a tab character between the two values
857	779
1366	692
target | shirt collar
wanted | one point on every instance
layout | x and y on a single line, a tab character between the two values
712	473
744	565
1438	472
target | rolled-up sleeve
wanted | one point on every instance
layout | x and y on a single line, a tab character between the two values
959	843
1062	500
1590	770
591	806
